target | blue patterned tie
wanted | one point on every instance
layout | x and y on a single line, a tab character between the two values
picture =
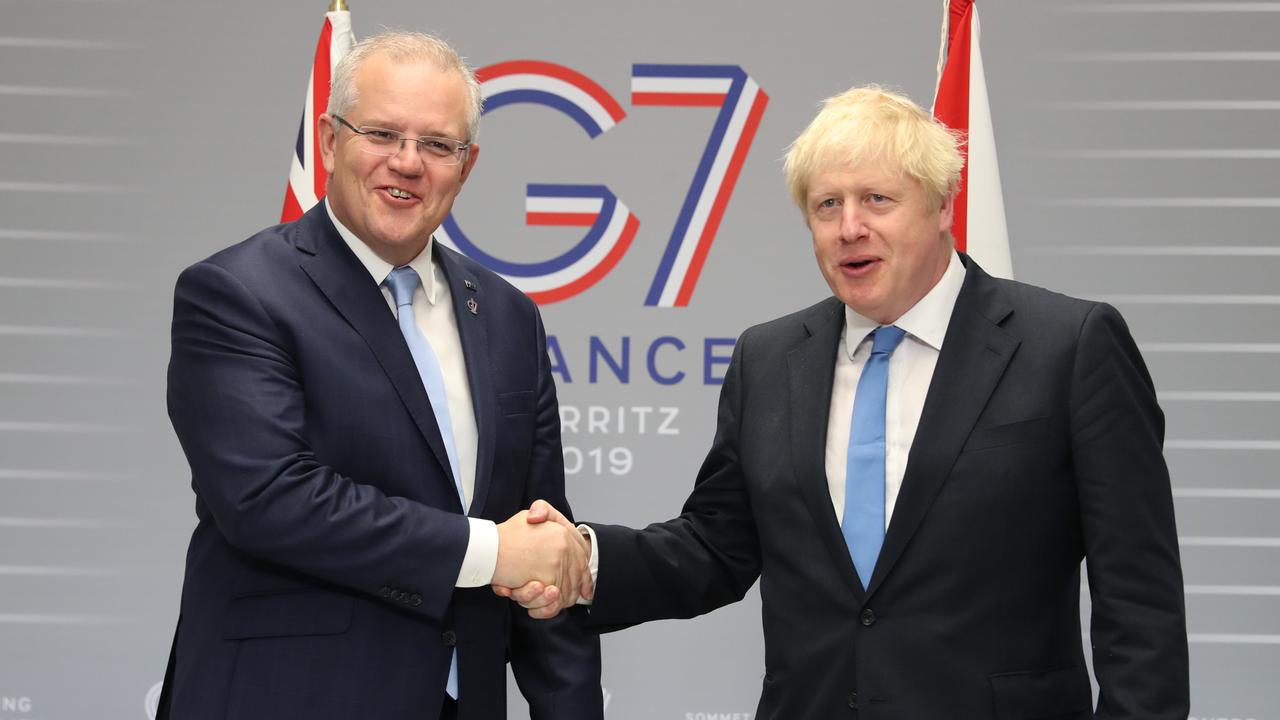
402	281
863	524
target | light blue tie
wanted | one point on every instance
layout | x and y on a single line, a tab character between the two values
402	281
863	523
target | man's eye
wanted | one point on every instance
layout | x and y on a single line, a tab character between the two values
877	198
828	203
380	136
436	146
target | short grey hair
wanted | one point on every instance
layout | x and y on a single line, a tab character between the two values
404	46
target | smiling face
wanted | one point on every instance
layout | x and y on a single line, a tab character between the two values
394	204
879	243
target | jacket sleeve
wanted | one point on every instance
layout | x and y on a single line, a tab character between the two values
704	559
237	404
1138	631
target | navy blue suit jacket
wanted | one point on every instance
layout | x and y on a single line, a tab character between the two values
1039	444
320	577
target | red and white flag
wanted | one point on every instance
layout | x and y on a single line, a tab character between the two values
307	176
961	104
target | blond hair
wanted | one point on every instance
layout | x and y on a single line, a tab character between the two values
403	46
869	124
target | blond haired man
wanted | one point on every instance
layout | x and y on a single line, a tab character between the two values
915	468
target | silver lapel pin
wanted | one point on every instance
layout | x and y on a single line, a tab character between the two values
473	306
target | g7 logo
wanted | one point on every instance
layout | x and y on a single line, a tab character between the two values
612	227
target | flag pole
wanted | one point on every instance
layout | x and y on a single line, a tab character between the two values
338	6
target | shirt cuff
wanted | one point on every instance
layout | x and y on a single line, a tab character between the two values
594	562
481	558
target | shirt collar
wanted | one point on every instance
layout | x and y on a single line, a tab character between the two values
378	268
926	321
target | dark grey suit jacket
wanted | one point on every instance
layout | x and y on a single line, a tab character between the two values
1039	445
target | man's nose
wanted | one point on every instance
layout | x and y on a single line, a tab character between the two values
407	159
852	225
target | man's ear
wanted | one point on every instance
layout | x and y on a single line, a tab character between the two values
473	154
328	141
947	213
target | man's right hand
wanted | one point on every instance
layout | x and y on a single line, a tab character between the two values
551	554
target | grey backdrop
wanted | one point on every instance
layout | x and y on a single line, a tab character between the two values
1138	145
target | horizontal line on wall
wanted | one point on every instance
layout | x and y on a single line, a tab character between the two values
63	284
1161	250
72	235
49	427
63	43
1222	444
37	474
1238	639
41	139
1215	396
34	619
1162	105
60	331
1170	56
33	379
1169	7
1209	347
1188	299
1197	541
51	187
58	91
1233	590
56	571
65	523
1228	493
1165	154
1163	202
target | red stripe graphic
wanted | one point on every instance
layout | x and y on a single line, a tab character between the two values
598	272
722	199
678	99
561	218
560	72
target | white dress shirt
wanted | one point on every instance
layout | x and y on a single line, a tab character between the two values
433	314
910	372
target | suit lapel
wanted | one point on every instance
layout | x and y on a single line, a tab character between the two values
812	369
345	282
974	355
467	293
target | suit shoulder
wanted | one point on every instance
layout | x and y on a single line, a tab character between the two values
249	254
1044	304
793	324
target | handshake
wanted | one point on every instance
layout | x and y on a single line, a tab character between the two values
543	561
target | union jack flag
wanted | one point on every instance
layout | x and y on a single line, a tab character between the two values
307	176
961	104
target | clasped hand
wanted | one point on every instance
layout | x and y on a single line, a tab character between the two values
543	561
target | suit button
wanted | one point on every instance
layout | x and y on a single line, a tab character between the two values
449	638
415	600
868	617
853	700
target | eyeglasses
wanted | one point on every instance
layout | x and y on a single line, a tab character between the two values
432	149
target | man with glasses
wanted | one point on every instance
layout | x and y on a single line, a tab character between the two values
365	413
